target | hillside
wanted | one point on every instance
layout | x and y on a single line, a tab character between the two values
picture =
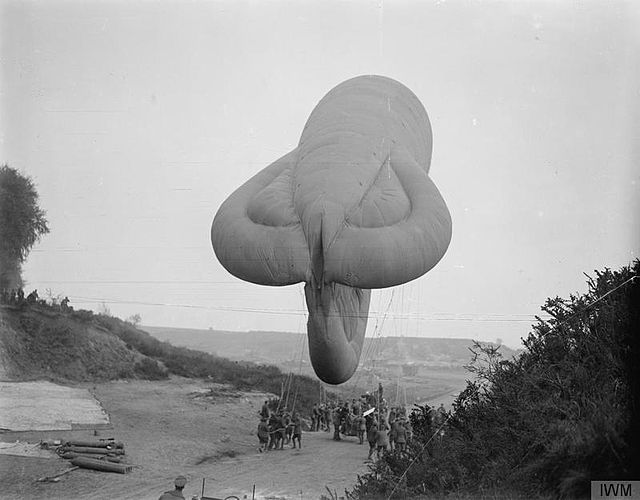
41	342
36	342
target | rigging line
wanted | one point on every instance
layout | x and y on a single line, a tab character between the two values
301	343
375	329
303	336
371	348
288	383
377	334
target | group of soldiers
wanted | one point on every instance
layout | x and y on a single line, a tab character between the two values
369	417
278	428
16	297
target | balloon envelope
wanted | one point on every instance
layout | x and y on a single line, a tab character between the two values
350	209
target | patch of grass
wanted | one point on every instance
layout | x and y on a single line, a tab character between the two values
228	453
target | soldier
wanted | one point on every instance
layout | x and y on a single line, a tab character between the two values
297	430
314	416
273	427
264	411
336	424
327	418
32	298
401	436
393	423
263	435
408	431
280	431
357	407
179	484
362	427
382	439
441	414
288	427
372	437
65	304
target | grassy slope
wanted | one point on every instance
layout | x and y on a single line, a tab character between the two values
42	342
39	343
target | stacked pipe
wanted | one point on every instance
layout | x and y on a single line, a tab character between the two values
103	455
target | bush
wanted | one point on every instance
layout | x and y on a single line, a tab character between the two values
563	413
149	369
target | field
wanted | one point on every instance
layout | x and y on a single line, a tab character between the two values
178	427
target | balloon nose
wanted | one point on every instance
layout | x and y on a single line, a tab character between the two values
336	327
337	370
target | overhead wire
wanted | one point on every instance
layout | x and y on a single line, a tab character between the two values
468	317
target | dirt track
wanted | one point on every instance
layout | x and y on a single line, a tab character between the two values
168	432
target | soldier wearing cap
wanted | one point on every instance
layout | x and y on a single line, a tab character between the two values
177	492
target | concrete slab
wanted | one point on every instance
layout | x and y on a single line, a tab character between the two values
43	406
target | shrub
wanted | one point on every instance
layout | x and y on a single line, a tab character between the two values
149	369
563	413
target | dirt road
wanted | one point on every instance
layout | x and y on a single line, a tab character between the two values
169	428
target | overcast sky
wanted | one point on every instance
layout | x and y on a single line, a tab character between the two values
138	119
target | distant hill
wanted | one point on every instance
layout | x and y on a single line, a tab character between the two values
284	348
413	369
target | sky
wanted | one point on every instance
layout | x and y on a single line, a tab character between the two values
137	119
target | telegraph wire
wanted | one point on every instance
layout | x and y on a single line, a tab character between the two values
467	317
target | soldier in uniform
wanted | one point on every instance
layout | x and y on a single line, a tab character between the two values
408	431
288	427
362	427
372	437
336	424
280	431
401	435
315	418
32	298
264	411
327	418
297	430
382	440
263	435
179	484
441	414
273	435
